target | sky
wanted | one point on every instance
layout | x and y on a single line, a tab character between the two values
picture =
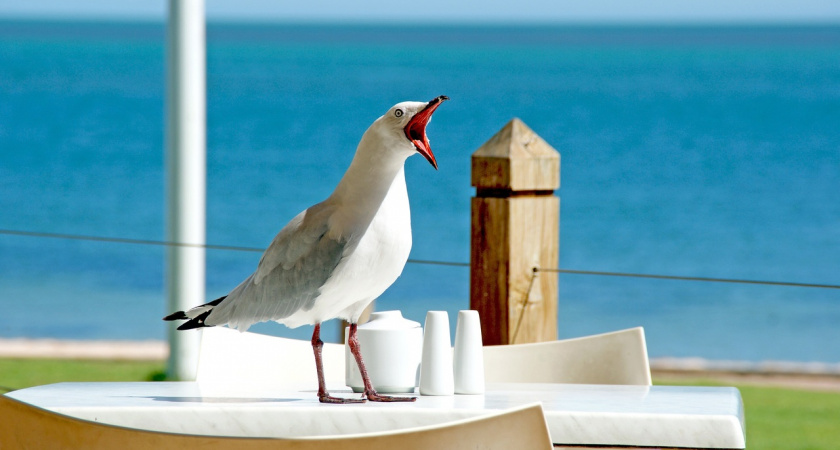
443	11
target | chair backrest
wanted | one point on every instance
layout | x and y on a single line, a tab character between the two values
619	357
23	426
228	355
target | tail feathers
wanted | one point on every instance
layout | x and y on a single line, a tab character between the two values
195	317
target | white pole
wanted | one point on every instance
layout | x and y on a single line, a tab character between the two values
186	142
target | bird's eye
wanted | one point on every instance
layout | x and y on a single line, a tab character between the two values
398	113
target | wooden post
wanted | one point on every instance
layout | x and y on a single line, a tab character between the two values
515	229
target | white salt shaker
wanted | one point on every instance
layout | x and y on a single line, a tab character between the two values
436	376
468	357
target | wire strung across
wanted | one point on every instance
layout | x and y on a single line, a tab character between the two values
413	261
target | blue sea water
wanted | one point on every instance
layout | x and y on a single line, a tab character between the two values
697	151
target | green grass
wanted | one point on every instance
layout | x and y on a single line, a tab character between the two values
22	373
790	419
777	418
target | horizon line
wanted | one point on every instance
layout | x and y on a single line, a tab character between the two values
399	22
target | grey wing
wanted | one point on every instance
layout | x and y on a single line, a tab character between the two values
290	274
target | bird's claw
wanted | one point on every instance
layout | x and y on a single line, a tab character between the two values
375	397
325	398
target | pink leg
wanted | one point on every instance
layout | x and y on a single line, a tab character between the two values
323	395
370	393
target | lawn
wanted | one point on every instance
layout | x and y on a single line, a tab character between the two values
791	419
781	418
777	418
22	373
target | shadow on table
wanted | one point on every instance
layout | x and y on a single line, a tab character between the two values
221	400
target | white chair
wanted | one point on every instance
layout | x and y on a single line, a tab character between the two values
619	357
23	426
228	355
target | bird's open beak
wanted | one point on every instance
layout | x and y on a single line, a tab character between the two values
415	131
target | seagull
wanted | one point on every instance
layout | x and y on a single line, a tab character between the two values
333	259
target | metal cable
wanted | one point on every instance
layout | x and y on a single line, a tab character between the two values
80	237
683	278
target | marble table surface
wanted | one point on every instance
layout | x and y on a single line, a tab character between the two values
598	415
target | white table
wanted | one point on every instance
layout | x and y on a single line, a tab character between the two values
581	415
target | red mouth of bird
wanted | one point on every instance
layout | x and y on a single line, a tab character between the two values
415	131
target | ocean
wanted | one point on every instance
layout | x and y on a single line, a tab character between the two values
686	150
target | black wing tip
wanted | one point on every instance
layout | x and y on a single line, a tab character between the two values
191	325
180	315
196	322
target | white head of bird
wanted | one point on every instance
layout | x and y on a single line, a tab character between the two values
381	154
402	130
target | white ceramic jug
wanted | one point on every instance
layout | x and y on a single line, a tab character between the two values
391	347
